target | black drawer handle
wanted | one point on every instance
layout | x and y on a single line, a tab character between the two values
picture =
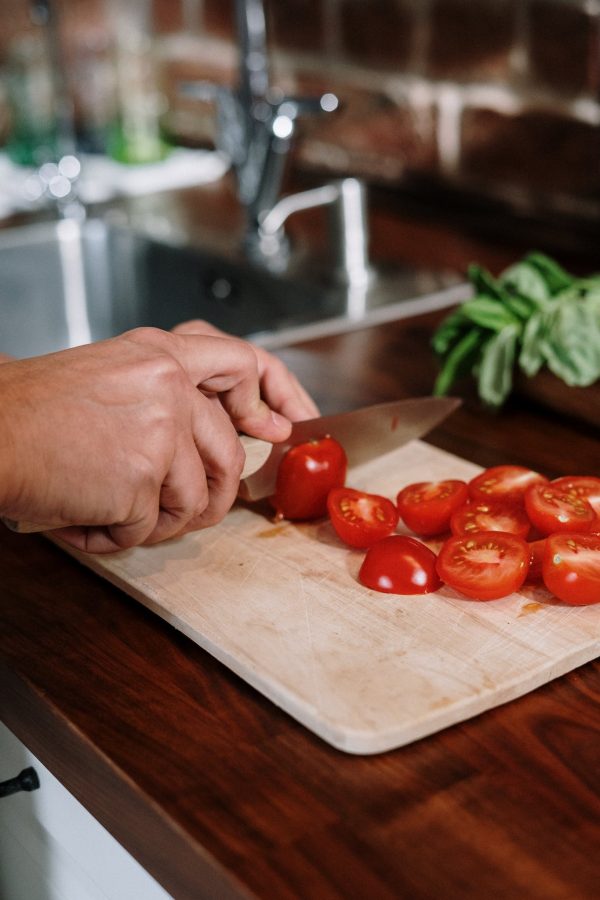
26	780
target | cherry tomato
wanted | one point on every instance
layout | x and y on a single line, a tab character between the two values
504	483
359	518
306	474
571	567
426	507
536	556
486	566
399	565
551	509
476	517
586	486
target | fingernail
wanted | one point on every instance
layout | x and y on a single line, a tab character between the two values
279	420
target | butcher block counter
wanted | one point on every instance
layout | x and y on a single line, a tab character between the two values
218	793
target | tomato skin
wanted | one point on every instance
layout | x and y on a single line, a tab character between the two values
551	509
484	566
359	518
571	568
507	484
476	517
399	565
536	556
426	506
306	474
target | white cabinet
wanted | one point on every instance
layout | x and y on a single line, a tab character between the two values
51	848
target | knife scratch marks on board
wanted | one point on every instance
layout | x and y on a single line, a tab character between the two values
312	657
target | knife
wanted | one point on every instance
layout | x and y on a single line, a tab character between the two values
363	433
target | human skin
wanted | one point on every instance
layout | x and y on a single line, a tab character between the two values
134	439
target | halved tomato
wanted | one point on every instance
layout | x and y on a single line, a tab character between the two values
536	556
586	486
486	566
426	507
305	476
399	565
504	483
571	568
552	509
476	517
359	518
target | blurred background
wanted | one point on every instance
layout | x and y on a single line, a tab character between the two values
492	104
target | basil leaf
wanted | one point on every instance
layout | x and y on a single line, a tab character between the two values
525	280
449	331
459	361
531	357
555	277
483	281
496	367
571	344
488	313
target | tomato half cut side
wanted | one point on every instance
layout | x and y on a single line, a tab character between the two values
586	486
399	564
484	566
571	568
536	556
504	483
426	506
477	517
551	509
306	474
359	518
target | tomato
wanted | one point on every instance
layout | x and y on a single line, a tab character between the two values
553	509
586	486
571	567
426	507
504	483
485	566
359	518
399	565
306	474
476	517
536	555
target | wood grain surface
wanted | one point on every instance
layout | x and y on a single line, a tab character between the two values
218	793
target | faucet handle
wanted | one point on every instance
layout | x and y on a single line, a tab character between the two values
287	110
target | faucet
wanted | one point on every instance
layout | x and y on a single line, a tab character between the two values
256	123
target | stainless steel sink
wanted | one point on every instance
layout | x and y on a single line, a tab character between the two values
64	283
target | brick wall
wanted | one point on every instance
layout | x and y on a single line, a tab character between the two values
495	97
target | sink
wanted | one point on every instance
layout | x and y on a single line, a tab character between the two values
67	283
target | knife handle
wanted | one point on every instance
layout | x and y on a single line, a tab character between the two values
256	451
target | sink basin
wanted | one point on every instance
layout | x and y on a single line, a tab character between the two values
67	283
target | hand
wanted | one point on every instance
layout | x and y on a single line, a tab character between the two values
132	440
279	387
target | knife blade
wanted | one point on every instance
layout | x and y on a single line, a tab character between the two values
363	433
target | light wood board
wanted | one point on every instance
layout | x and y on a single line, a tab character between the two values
280	605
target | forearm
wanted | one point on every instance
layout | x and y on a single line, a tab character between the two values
10	452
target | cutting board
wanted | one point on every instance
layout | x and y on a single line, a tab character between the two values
280	605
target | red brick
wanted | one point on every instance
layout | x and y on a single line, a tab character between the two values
564	47
378	32
296	24
541	151
471	39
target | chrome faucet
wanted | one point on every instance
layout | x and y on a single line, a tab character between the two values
256	123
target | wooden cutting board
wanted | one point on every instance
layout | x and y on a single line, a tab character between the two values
280	605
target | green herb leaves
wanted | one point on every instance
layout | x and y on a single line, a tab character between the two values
534	314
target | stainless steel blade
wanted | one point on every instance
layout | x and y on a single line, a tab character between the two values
363	433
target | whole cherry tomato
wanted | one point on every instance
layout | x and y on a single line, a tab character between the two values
552	509
399	565
485	566
359	518
504	483
426	506
476	517
571	567
306	474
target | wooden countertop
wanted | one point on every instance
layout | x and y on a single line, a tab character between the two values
219	794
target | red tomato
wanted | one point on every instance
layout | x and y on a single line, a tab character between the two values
399	565
586	486
571	567
359	518
306	474
552	509
426	507
536	555
504	483
476	517
486	566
